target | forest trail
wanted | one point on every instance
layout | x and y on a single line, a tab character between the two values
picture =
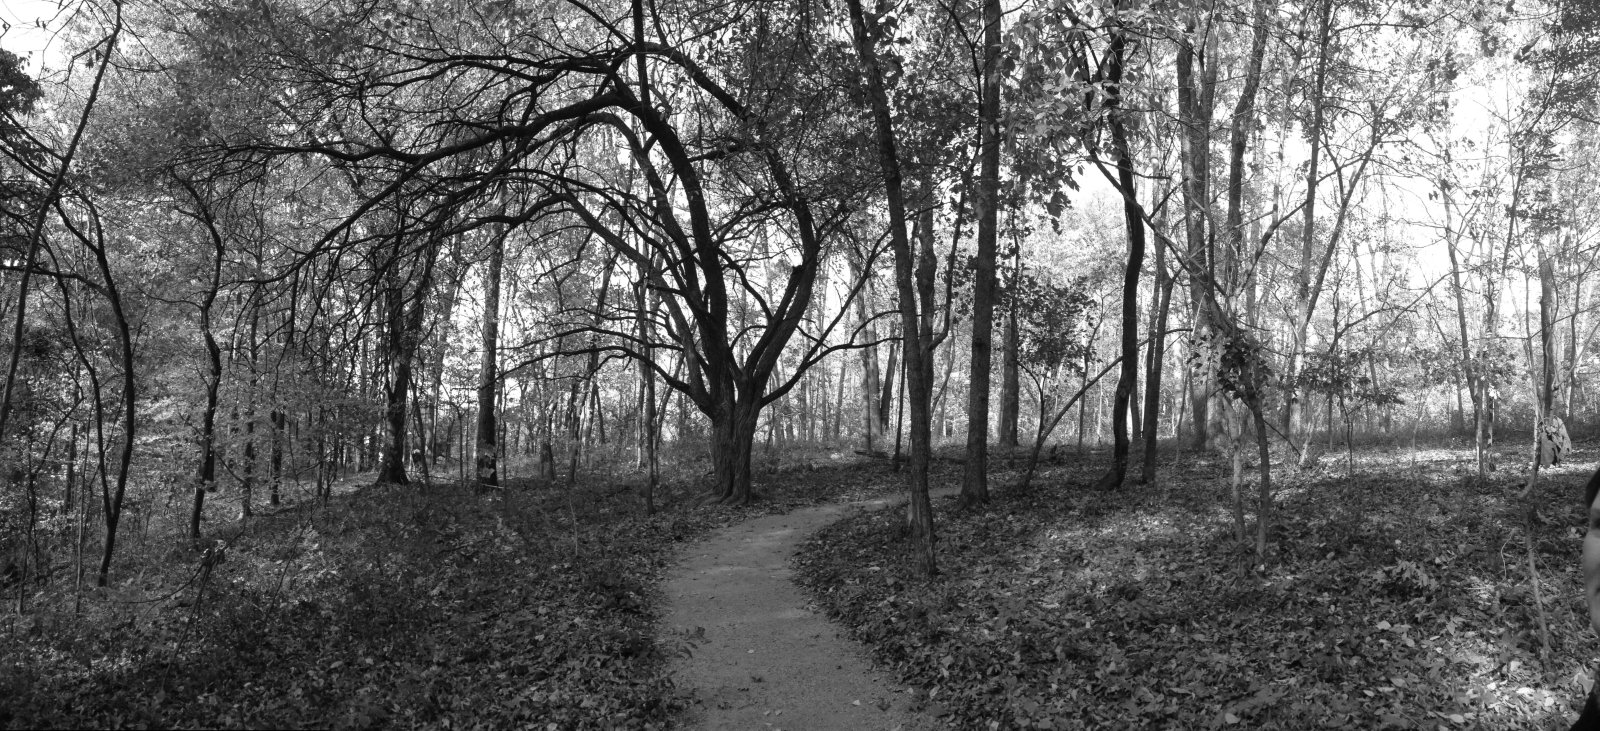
766	660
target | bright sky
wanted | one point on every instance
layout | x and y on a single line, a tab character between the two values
22	32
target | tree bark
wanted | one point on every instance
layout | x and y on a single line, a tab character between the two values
975	479
1547	335
1309	287
487	455
919	374
871	382
1196	93
206	473
647	396
1155	356
1011	369
403	333
1128	378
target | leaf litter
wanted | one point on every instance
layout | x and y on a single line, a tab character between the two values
1394	598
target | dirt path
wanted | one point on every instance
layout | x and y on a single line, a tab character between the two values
766	660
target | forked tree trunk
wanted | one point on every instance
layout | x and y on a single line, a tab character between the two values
391	458
1155	356
733	434
404	334
113	500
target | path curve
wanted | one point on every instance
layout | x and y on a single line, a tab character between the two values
766	661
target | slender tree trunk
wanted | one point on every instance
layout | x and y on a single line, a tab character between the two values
871	383
72	465
838	404
1234	420
1264	488
1547	335
280	424
1307	284
1011	368
1575	349
488	457
647	393
919	374
1196	90
1457	292
886	398
248	474
206	475
975	480
113	500
1128	378
1161	304
391	459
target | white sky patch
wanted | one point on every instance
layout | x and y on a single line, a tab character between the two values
30	27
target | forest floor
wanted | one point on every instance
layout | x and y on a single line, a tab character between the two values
1396	595
536	606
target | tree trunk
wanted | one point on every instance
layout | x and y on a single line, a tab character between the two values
206	475
487	455
1127	380
1011	369
871	383
404	333
1196	93
975	480
1547	335
113	501
647	395
1155	356
72	466
838	404
733	440
1264	489
1458	293
886	398
919	374
391	457
280	426
1308	285
247	475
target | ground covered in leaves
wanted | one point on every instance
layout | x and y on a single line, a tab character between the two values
1395	597
391	607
